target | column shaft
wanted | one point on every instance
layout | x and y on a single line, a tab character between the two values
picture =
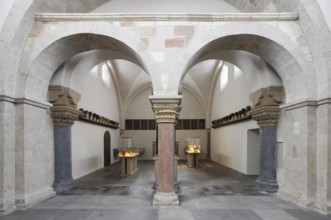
267	141
63	170
166	157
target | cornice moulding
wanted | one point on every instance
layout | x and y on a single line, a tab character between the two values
49	17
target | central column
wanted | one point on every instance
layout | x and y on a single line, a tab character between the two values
166	111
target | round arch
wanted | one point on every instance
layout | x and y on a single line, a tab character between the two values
276	48
36	73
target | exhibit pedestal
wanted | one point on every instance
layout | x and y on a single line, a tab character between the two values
192	159
129	165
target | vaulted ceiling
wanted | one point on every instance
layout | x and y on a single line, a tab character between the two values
131	78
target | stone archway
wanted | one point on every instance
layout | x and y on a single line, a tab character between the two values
34	85
287	59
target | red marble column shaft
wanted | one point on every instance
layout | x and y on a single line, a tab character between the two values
166	136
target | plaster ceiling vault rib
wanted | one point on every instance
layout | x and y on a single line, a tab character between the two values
113	74
217	71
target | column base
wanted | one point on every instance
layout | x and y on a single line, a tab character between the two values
165	199
267	185
63	186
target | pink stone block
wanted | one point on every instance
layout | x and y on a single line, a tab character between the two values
174	42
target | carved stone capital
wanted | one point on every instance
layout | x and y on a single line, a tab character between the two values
166	110
266	105
267	118
62	96
63	115
166	113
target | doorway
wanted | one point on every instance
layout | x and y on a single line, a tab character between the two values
106	148
253	151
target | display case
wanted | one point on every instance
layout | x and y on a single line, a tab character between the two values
193	150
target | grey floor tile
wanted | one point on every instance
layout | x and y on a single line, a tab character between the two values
211	191
274	214
32	214
73	215
307	215
124	214
229	214
175	214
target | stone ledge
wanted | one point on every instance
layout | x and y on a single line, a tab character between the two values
38	104
49	17
305	103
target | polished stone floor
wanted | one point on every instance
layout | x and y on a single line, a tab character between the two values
210	191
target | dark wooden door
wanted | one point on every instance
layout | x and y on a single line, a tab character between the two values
106	148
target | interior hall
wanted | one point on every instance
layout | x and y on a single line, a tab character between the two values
118	109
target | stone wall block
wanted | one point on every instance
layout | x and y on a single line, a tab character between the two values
147	31
187	31
7	157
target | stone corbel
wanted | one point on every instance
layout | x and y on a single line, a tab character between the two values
266	105
62	96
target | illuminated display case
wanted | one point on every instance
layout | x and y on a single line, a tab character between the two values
128	156
193	150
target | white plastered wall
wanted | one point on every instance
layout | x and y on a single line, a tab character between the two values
98	95
5	7
226	147
325	6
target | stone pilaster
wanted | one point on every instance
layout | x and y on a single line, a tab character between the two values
64	113
166	112
266	112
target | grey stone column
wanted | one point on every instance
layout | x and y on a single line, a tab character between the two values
64	113
63	180
266	112
267	179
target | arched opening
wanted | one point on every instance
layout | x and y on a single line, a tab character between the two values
239	65
106	149
71	60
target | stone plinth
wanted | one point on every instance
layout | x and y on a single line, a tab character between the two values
165	199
